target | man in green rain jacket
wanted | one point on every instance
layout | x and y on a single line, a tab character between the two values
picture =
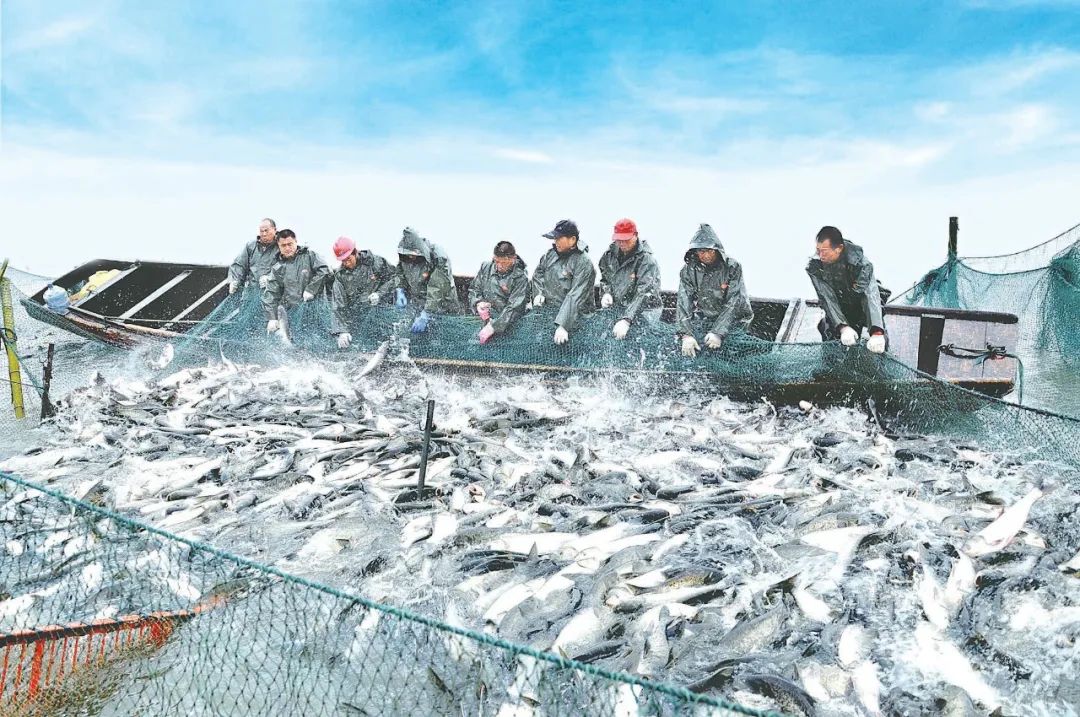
712	292
500	292
424	279
565	277
629	277
850	295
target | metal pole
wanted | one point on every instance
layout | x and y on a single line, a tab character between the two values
954	230
14	375
47	410
424	451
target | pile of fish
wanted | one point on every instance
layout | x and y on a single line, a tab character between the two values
799	559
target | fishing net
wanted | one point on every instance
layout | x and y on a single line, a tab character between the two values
169	626
116	618
746	367
1041	285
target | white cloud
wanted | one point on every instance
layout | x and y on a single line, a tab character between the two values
766	215
1018	72
1028	124
933	111
53	34
524	155
714	108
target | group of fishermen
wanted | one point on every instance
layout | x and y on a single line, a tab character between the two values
712	299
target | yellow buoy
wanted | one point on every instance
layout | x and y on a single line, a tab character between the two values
14	374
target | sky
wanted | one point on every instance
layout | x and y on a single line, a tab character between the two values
168	130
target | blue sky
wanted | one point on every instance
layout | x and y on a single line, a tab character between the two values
903	96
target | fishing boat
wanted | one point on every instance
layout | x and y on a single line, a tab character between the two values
135	302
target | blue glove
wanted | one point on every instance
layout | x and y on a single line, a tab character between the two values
420	325
399	299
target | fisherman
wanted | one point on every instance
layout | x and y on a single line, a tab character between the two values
363	277
500	292
849	294
565	276
424	278
711	289
297	277
256	259
629	277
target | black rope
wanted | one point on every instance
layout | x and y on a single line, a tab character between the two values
992	353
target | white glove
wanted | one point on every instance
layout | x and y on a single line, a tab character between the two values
272	326
848	337
233	286
264	280
538	301
343	340
606	301
690	346
561	336
308	296
373	298
621	327
712	341
876	344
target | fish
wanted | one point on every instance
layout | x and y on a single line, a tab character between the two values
283	332
375	361
1001	532
786	555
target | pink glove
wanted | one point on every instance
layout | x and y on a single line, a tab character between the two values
486	333
483	310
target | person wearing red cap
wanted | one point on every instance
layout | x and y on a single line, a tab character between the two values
629	277
363	278
565	276
500	292
712	294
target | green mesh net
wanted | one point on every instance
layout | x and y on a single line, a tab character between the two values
138	621
746	367
1041	285
189	629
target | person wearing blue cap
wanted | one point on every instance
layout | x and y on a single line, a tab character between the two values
565	277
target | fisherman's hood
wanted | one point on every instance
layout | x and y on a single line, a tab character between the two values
412	244
704	238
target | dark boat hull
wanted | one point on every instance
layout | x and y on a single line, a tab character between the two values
159	301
